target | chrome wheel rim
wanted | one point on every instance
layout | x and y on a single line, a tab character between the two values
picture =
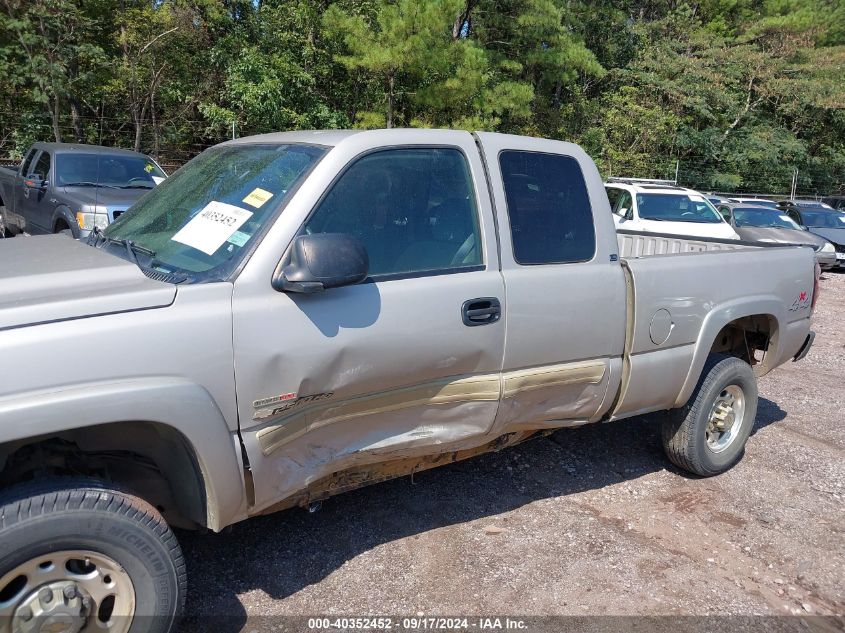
726	416
68	591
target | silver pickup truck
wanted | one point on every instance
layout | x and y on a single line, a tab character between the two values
72	188
295	315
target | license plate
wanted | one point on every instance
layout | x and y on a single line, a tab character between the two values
840	255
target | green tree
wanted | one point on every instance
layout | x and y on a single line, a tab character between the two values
48	51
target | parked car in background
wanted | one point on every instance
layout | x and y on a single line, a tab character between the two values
660	207
837	202
823	221
762	224
715	200
296	315
757	202
807	203
71	188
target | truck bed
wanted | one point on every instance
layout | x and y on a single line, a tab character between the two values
680	288
635	244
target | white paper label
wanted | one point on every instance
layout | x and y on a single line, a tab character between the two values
212	226
842	219
785	218
157	179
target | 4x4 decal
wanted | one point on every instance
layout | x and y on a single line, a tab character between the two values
802	302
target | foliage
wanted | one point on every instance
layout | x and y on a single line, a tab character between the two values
734	94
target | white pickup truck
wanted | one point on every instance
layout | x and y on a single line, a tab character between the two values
294	315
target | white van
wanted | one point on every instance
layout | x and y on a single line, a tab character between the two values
662	207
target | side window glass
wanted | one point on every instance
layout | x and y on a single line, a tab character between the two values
27	163
413	208
613	197
626	206
726	213
549	209
42	167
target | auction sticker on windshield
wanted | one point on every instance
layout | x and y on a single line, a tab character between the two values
258	197
212	226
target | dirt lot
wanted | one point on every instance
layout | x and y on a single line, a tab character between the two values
587	521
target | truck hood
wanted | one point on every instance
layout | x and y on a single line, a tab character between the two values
120	199
791	236
55	278
837	236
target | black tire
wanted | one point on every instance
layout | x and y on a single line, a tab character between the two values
684	431
50	518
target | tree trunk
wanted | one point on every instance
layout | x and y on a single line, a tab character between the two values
558	90
77	120
390	82
57	131
462	21
139	124
156	131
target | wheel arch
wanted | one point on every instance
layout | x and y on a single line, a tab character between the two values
761	317
164	427
63	214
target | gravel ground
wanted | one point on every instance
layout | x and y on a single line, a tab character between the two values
587	521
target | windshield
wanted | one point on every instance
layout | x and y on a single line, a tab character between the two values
823	219
208	211
122	171
764	217
670	207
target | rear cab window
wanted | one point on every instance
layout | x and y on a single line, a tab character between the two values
551	219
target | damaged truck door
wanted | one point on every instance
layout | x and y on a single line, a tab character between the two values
566	294
344	379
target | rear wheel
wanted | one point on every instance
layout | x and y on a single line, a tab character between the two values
78	556
707	436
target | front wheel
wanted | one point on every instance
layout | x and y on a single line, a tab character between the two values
707	436
78	556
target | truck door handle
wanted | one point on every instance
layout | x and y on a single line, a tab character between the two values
481	311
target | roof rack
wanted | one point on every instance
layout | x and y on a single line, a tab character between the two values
643	181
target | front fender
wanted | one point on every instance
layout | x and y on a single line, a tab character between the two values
177	403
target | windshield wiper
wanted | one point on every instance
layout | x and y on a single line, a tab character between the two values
88	184
136	187
131	247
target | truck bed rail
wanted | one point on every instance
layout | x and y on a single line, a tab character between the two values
634	244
